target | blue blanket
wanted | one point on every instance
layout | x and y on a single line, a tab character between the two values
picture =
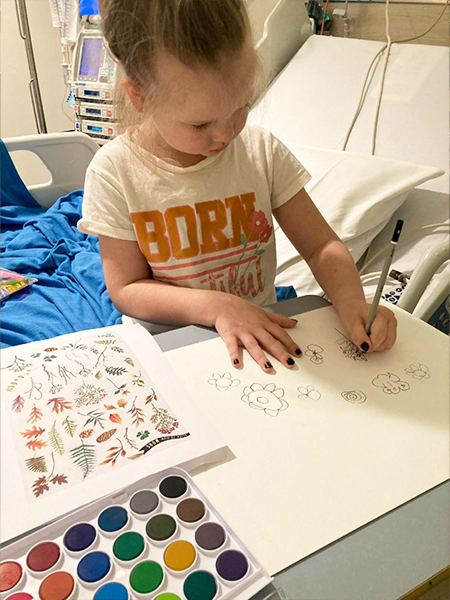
71	293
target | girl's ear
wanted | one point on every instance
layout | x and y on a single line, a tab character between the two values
135	95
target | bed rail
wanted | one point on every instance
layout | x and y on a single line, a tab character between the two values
65	155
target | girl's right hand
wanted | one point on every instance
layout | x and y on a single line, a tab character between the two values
240	323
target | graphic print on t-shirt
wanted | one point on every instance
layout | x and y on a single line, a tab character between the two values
215	243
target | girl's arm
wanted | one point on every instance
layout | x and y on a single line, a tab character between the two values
238	322
333	267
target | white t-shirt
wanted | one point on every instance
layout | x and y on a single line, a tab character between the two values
207	226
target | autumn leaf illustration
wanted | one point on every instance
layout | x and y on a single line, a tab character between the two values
59	479
30	433
114	454
122	403
35	415
36	444
40	486
109	406
59	404
17	404
115	418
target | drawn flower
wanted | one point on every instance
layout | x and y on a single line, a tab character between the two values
390	383
418	371
315	353
309	392
268	398
223	382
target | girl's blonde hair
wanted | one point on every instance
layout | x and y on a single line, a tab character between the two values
196	32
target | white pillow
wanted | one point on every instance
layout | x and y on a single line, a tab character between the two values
357	195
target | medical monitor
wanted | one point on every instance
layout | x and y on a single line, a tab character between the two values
90	59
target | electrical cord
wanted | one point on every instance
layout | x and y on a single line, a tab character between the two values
367	83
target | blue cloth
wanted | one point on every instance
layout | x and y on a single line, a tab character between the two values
285	292
70	294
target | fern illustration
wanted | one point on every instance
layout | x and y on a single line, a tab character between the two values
55	439
36	464
83	457
116	370
69	426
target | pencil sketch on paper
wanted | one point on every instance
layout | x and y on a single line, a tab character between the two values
314	353
224	382
390	383
419	371
349	349
354	396
67	401
268	398
309	392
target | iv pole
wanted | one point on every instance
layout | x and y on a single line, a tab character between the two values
33	84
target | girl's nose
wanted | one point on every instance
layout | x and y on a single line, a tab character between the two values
223	132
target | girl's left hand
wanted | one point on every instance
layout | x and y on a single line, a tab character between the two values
383	332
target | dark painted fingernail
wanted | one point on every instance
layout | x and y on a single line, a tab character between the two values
293	319
365	346
290	361
268	365
298	352
236	361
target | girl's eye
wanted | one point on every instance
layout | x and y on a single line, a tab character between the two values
200	127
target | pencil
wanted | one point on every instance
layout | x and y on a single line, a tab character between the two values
383	277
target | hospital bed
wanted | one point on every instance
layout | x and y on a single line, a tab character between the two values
315	87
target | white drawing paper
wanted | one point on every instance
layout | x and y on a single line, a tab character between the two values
328	446
85	414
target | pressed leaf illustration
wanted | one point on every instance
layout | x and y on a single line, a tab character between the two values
114	454
55	439
35	415
36	444
137	414
30	433
109	406
116	370
59	404
69	426
96	417
40	486
115	418
18	404
122	403
59	479
37	464
83	457
129	361
151	397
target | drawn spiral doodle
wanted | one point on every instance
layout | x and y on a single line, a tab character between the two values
354	396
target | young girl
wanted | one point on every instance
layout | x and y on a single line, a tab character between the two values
183	202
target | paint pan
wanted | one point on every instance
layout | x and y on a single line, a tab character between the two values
191	511
11	576
113	520
59	585
210	537
145	578
129	548
79	538
144	503
43	558
158	539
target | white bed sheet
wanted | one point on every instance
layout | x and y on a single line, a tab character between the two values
313	100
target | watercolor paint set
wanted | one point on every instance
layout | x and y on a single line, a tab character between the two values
157	539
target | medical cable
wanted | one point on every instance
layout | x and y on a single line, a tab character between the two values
366	85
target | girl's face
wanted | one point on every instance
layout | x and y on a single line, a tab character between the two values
201	110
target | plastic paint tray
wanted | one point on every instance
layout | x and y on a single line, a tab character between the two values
159	538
